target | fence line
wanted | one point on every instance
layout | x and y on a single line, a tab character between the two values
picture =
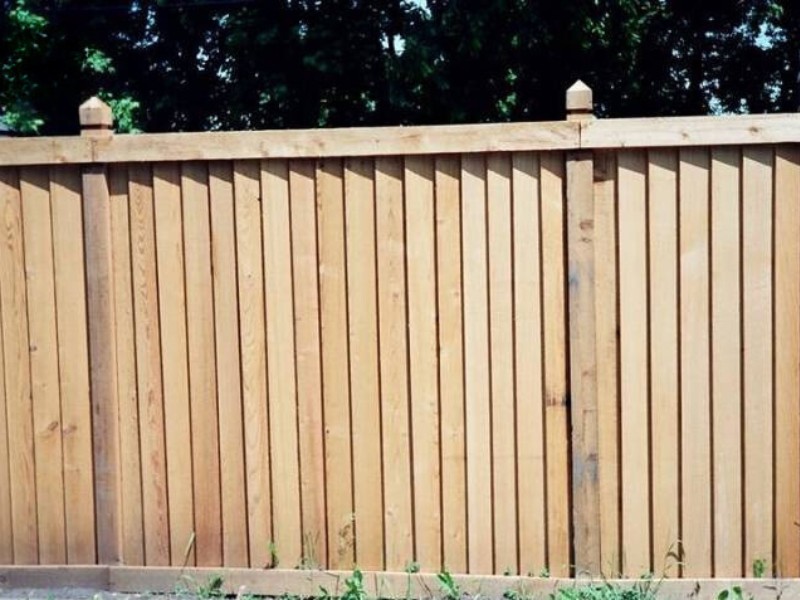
568	346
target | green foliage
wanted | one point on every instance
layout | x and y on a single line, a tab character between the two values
734	593
211	588
450	588
759	568
354	587
645	589
194	64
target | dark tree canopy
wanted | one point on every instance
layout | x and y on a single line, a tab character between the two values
169	65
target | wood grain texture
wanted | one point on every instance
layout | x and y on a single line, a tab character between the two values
73	362
476	363
726	351
202	364
607	343
130	465
284	458
45	396
554	312
395	409
423	360
662	190
364	375
252	339
235	548
148	367
695	361
634	396
757	210
307	359
451	362
174	359
335	362
787	361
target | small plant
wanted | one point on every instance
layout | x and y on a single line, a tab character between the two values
274	561
759	568
412	567
646	589
734	593
354	587
212	588
448	585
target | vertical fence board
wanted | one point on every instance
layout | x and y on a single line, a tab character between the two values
555	367
248	208
202	365
423	364
38	247
501	339
663	231
695	362
757	202
397	482
172	311
73	360
281	364
229	383
451	357
130	476
725	369
363	336
787	361
307	348
335	363
6	523
528	363
476	364
607	344
634	396
17	374
148	367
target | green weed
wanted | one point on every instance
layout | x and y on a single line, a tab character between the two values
354	587
449	586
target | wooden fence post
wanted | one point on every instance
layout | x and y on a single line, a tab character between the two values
96	121
582	343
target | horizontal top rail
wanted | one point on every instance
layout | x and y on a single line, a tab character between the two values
387	141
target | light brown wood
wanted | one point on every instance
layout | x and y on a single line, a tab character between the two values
607	344
229	383
528	362
307	359
130	462
335	362
73	362
476	364
583	361
662	190
47	427
555	358
312	143
284	457
451	361
364	378
252	339
690	131
393	352
757	207
148	368
202	364
6	526
787	361
726	351
634	396
423	360
693	213
45	150
501	339
174	359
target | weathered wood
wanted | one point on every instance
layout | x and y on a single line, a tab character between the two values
583	362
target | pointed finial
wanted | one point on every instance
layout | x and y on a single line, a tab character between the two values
579	102
96	118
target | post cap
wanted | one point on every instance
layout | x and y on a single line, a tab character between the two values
579	99
95	117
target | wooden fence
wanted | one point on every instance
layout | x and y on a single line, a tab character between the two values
565	346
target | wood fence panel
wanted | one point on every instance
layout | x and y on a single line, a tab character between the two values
45	397
662	215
